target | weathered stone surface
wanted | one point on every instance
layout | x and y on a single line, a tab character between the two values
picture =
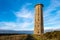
38	27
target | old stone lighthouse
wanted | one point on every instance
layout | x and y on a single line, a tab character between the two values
38	26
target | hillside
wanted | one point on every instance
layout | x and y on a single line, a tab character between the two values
16	37
55	35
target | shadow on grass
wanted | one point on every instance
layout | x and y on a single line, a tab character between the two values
29	37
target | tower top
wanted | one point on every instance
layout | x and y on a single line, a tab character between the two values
40	5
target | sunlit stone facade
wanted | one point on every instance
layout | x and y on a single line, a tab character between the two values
38	23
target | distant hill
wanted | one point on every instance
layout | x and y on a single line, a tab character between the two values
23	32
15	32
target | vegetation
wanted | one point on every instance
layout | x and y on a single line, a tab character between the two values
13	37
47	36
53	35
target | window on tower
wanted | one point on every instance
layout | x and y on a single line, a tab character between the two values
38	25
35	25
38	32
38	19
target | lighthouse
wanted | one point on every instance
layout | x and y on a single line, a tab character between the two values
38	20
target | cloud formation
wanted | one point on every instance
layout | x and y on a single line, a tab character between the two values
25	17
51	15
24	14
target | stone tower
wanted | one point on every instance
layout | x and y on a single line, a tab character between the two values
38	27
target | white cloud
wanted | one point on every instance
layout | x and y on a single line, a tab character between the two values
24	14
52	28
51	7
7	25
14	26
52	21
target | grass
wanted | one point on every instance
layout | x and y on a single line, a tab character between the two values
13	37
47	36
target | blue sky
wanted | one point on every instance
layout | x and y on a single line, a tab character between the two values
19	14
